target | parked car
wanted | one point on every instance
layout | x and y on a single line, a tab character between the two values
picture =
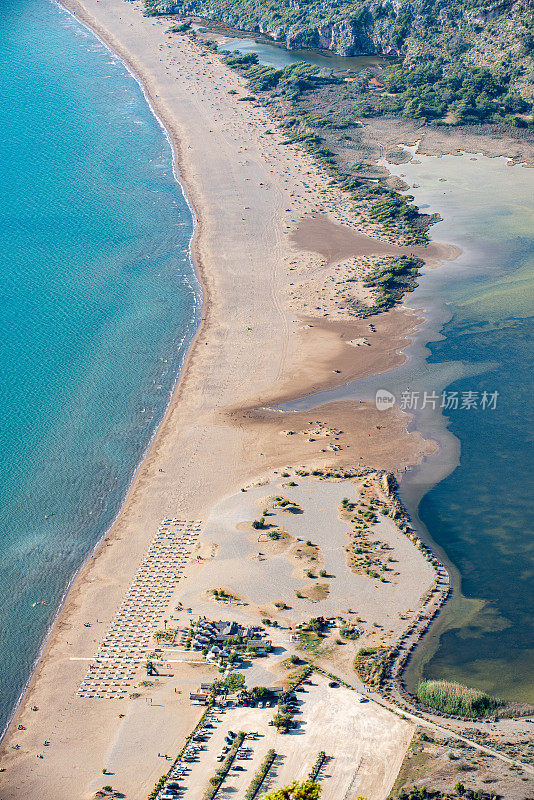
307	681
333	685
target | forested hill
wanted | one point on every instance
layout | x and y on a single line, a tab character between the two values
446	39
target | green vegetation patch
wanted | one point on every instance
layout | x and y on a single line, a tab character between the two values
373	665
309	790
259	777
317	766
222	594
182	27
232	683
422	793
470	94
291	80
453	698
392	279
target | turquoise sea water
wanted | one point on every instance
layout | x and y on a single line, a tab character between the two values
98	304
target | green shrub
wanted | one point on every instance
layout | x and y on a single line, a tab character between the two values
308	790
317	766
259	777
180	28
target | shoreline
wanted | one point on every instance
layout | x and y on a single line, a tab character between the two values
207	327
198	310
76	10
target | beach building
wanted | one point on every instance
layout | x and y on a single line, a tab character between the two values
198	698
214	634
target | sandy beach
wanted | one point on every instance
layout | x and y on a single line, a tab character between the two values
253	350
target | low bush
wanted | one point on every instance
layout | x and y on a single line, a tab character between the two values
259	777
216	780
317	766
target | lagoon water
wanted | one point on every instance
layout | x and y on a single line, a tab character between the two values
475	495
481	513
273	55
99	303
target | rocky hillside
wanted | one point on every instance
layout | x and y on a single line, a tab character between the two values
474	58
473	31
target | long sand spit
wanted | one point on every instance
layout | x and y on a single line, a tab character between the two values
246	191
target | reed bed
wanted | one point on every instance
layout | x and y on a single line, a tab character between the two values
453	698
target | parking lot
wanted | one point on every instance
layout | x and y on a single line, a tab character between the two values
365	745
